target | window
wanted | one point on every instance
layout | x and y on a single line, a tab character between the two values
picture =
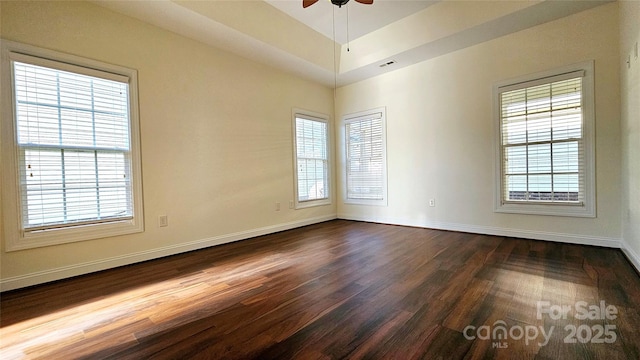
311	144
73	125
545	143
365	145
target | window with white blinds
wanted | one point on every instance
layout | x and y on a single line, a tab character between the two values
73	140
311	160
544	142
72	127
366	158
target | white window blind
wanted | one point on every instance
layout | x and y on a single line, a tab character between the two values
542	140
74	146
312	158
365	158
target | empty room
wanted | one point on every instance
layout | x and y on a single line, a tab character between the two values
320	179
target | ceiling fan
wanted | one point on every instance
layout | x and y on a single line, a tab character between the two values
338	3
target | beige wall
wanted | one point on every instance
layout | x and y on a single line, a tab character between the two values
440	131
217	147
215	132
630	81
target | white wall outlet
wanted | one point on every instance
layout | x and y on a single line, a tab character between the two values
277	206
291	204
432	202
163	220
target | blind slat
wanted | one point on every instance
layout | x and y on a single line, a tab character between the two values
365	158
312	172
73	140
542	140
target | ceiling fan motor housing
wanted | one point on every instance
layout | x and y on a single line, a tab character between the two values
339	3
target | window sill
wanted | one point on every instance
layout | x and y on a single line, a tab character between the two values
365	202
571	210
28	240
312	203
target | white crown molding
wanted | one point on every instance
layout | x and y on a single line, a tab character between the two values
192	21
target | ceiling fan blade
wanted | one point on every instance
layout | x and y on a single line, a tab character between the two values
307	3
366	2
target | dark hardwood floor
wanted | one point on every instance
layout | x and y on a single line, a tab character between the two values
338	290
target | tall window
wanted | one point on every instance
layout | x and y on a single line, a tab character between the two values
545	127
366	177
73	141
311	160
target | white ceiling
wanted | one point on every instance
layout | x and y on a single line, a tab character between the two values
281	34
361	19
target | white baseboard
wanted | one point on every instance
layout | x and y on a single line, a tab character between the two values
41	277
490	230
633	256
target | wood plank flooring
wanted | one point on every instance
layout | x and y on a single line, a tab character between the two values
340	290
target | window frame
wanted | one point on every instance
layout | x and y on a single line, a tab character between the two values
312	116
16	238
361	116
588	207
